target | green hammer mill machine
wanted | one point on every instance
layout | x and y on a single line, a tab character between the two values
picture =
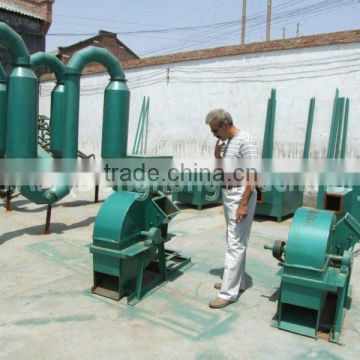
315	276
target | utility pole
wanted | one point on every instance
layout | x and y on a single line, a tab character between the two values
297	29
268	20
243	21
284	33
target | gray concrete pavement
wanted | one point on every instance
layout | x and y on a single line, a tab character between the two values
48	312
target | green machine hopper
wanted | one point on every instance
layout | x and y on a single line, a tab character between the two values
315	277
128	247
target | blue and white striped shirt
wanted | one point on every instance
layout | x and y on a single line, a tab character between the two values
240	146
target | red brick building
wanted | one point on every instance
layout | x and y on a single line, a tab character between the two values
104	39
31	19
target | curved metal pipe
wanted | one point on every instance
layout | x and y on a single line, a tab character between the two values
55	193
42	58
116	103
15	44
100	55
57	117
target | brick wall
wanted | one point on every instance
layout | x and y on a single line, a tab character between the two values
31	19
103	40
40	8
343	37
29	29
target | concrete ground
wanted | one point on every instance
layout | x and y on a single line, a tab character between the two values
48	312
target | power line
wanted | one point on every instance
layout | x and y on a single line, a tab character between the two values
314	9
171	29
222	30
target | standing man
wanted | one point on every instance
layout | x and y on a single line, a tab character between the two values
239	206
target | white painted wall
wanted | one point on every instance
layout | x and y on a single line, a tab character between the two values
240	84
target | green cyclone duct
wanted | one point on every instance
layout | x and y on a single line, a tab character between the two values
55	193
21	129
57	117
2	112
116	104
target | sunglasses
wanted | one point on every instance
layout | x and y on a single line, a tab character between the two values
215	131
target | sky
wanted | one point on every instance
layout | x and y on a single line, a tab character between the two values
157	27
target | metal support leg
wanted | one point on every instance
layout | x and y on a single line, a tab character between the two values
96	200
339	315
162	262
8	200
139	277
48	218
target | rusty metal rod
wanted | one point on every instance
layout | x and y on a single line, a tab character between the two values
8	200
48	218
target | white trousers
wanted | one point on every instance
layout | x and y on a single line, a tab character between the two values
237	236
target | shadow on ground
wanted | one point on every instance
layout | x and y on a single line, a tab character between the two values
58	228
20	205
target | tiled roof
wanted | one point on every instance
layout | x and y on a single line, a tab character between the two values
343	37
31	8
64	49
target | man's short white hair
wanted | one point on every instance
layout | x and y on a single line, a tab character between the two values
219	116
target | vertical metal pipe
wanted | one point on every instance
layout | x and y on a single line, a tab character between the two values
266	130
309	128
340	117
57	99
137	136
57	120
331	148
115	120
272	123
147	125
142	137
71	128
331	143
345	129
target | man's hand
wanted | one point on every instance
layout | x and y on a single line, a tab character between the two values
218	149
241	213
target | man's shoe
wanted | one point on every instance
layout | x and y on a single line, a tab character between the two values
219	303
